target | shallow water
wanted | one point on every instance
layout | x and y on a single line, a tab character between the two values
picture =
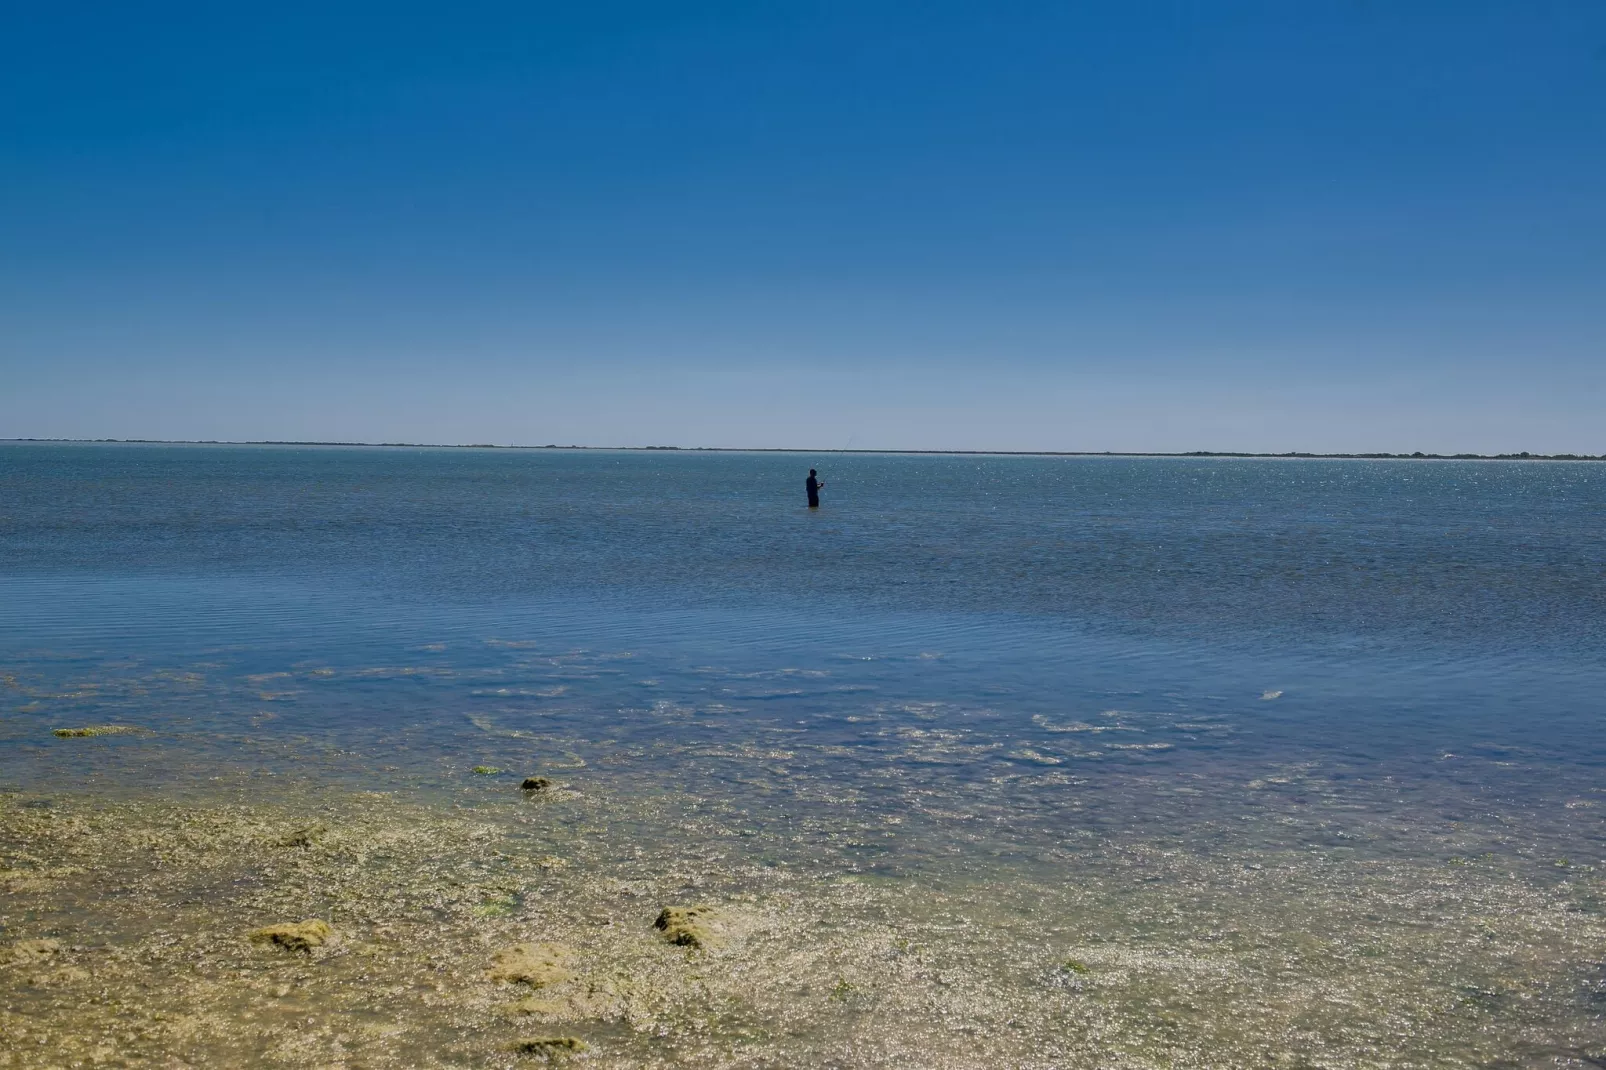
1297	763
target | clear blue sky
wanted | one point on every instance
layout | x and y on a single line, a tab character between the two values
1291	224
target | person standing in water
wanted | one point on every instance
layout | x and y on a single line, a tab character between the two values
813	486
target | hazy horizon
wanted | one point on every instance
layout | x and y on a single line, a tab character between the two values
806	450
1336	227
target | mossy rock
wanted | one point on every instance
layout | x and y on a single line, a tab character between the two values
91	730
30	952
485	770
548	1046
536	783
536	965
688	926
306	836
300	936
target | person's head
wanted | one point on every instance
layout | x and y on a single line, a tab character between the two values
811	471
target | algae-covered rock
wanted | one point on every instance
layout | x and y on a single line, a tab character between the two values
30	952
300	936
306	836
688	926
548	1046
536	965
91	730
485	770
536	783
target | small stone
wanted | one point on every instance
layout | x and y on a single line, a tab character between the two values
536	965
300	936
687	926
536	783
548	1046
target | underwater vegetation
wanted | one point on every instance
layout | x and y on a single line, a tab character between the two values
330	927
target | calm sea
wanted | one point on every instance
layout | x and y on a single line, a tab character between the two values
1373	612
1191	617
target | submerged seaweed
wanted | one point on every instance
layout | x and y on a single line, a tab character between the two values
1120	954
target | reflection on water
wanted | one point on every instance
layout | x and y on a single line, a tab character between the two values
1191	806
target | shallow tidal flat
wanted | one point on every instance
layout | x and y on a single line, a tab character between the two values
493	926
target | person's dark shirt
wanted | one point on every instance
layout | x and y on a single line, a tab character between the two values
813	486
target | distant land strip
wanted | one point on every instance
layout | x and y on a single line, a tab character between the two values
1524	456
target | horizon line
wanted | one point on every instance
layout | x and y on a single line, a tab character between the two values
1296	454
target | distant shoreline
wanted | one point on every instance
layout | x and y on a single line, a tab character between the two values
793	449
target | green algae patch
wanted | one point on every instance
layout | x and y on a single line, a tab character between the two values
548	1046
501	906
92	730
536	965
300	936
688	926
485	770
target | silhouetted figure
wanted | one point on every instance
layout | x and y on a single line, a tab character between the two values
813	485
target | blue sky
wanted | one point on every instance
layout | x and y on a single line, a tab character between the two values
1346	225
